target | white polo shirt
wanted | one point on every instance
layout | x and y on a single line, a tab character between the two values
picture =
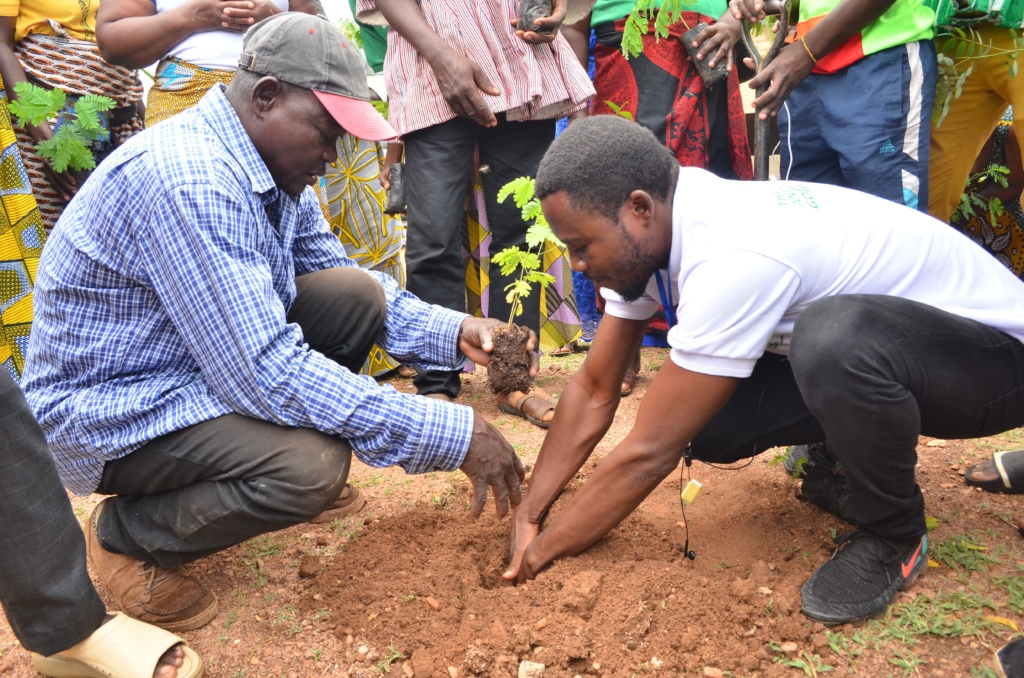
748	257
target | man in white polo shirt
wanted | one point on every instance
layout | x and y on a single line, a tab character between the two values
805	313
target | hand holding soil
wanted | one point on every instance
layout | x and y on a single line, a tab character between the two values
539	20
476	341
491	462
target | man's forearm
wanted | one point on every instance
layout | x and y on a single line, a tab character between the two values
842	23
585	412
581	420
622	480
406	17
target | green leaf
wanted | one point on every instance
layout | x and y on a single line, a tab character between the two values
1013	69
544	279
931	523
67	148
36	104
531	210
961	47
948	45
512	187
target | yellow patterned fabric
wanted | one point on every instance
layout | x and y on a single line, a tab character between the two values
21	243
374	240
178	86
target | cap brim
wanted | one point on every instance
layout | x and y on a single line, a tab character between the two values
359	118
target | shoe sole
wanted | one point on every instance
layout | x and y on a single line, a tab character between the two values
835	620
331	515
201	619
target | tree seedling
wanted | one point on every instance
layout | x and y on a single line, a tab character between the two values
71	145
510	361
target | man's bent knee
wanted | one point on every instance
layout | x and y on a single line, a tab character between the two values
312	472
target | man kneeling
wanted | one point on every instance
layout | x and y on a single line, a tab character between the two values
198	331
805	313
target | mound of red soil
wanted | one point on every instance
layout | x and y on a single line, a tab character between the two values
430	582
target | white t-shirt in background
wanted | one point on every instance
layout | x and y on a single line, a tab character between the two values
748	257
212	49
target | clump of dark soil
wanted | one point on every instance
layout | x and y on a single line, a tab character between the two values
530	11
509	369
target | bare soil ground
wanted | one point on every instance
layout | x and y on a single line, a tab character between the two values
412	586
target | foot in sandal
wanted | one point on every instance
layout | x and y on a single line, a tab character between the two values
170	598
123	647
1003	472
536	407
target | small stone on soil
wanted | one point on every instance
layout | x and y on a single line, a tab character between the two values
710	672
530	670
433	603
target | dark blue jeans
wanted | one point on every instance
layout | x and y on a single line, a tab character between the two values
866	127
45	588
867	374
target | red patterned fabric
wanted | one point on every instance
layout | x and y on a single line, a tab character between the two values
686	131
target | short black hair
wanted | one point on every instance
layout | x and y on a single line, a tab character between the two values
600	160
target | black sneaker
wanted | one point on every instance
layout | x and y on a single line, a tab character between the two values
814	455
863	577
828	491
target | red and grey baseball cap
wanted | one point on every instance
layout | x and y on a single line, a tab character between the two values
308	52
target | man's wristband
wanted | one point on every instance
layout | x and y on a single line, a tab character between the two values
804	43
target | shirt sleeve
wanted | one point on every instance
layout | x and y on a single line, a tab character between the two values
217	289
415	332
641	309
728	311
10	7
367	12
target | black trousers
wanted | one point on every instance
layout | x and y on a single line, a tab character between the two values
867	374
45	588
204	488
438	163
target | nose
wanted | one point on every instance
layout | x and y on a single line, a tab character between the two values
576	262
330	156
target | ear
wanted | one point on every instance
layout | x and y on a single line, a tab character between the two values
640	207
266	94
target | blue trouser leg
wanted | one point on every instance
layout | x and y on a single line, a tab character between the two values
872	120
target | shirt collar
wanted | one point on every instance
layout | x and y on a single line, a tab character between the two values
221	116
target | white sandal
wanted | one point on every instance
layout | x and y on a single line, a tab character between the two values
122	648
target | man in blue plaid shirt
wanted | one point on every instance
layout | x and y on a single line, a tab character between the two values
198	332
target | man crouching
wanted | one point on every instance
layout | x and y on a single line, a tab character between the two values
198	333
801	313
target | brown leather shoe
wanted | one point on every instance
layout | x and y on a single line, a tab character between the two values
169	598
350	502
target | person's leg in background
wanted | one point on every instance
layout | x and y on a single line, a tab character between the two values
877	118
47	596
956	143
204	488
438	160
804	154
44	585
511	150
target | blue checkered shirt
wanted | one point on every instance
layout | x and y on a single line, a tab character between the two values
161	298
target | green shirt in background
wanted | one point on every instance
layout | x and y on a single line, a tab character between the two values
375	41
1005	13
607	11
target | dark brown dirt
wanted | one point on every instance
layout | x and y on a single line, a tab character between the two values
510	361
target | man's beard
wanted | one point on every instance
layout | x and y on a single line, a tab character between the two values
637	266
